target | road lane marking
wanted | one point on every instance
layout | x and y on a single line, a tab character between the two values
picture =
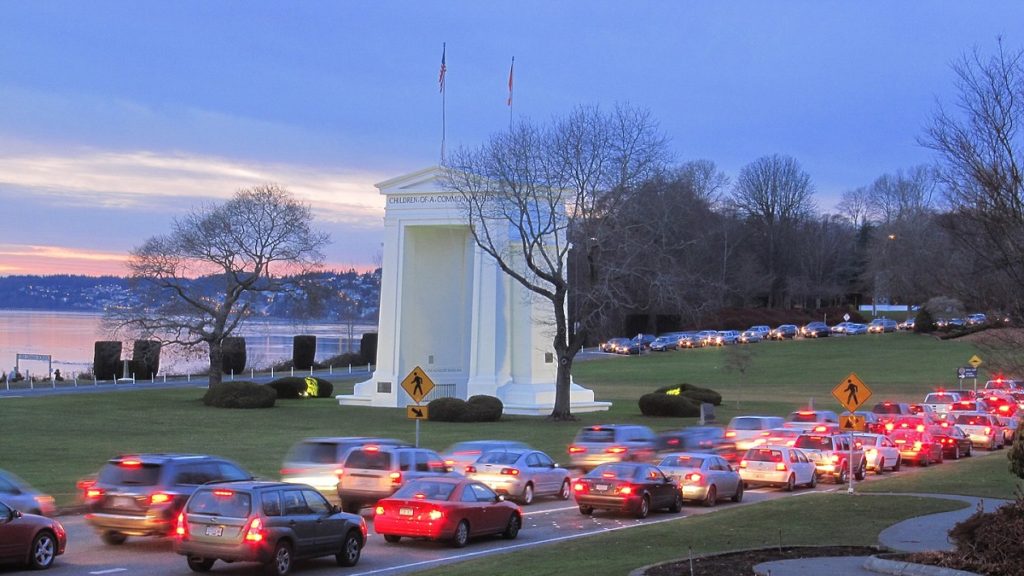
110	571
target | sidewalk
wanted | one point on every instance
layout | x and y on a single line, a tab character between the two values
920	534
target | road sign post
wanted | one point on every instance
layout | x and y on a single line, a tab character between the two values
975	361
852	393
417	385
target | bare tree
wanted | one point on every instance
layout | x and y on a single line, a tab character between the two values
528	191
901	196
855	206
980	143
774	194
197	284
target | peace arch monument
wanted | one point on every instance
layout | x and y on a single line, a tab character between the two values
448	308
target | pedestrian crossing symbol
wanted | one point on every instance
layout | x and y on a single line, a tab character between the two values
851	392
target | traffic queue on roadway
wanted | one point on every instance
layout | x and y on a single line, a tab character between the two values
335	493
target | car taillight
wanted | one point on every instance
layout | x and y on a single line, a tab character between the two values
254	531
580	487
339	472
695	477
1004	408
988	430
627	489
288	471
888	426
730	434
780	466
396	477
834	458
131	463
743	463
673	442
615	450
917	446
378	511
449	462
181	526
821	428
872	452
576	449
435	514
920	427
363	528
160	498
94	493
470	469
509	472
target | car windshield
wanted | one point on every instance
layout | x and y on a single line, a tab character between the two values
596	435
763	455
814	442
886	408
368	460
939	399
425	490
220	502
498	458
745	424
130	474
613	471
313	452
867	440
682	461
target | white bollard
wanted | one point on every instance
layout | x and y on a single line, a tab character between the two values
188	377
293	371
232	374
349	368
310	370
330	369
252	373
271	372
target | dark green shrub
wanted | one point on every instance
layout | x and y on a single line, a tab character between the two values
923	322
695	393
447	409
232	355
484	409
368	348
240	394
106	360
661	404
146	359
291	387
303	352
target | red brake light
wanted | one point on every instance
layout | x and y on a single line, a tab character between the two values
888	426
470	469
821	428
339	471
695	477
805	413
396	477
579	487
510	472
93	493
920	427
743	463
988	430
224	493
254	531
576	449
378	511
371	448
159	498
627	489
834	458
673	441
730	434
780	466
435	514
181	526
615	450
131	463
1004	408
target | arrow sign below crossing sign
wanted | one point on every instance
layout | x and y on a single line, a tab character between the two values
416	412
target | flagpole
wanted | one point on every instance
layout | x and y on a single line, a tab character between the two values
444	106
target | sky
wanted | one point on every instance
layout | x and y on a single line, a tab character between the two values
116	117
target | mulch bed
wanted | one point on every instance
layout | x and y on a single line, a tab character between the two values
742	563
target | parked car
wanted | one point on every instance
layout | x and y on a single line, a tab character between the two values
784	331
744	430
706	337
809	419
602	443
815	330
17	494
725	337
142	494
778	466
976	319
856	328
840	328
691	340
452	509
917	447
880	325
462	454
703	477
760	329
30	539
751	337
880	452
315	461
271	523
376	471
834	455
955	442
983	429
628	487
522	474
665	343
612	344
907	324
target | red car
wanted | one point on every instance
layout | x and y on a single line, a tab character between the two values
29	539
446	508
918	447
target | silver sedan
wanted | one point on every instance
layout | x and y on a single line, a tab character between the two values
706	478
521	474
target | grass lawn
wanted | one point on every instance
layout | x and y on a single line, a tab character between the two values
986	477
824	519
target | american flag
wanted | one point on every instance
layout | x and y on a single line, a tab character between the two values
510	69
440	76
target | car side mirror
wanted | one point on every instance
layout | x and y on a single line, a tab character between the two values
499	498
335	509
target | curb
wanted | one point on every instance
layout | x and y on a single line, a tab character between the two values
900	568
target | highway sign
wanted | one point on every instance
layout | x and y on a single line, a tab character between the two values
851	392
966	372
975	361
416	412
852	423
417	384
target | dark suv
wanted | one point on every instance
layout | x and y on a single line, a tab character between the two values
141	495
376	471
273	523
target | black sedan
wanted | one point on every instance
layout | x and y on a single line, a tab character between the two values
955	442
628	487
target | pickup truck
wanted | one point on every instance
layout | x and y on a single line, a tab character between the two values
831	455
941	402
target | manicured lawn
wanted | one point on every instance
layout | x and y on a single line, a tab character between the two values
824	519
988	477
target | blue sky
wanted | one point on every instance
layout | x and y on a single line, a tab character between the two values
118	116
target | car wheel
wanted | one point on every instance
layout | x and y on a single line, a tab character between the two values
926	463
861	472
738	496
281	561
461	537
677	504
645	507
512	528
527	497
197	564
814	481
791	483
880	466
586	510
712	497
351	548
970	451
113	538
391	538
956	452
843	477
899	462
566	492
44	550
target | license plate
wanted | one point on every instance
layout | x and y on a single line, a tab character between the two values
215	531
124	502
405	511
601	487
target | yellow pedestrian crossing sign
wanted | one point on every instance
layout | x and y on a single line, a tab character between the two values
975	361
852	423
851	392
417	384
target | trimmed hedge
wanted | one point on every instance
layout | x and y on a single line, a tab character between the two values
106	360
232	355
695	393
686	403
240	394
478	408
368	348
303	352
146	358
291	387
